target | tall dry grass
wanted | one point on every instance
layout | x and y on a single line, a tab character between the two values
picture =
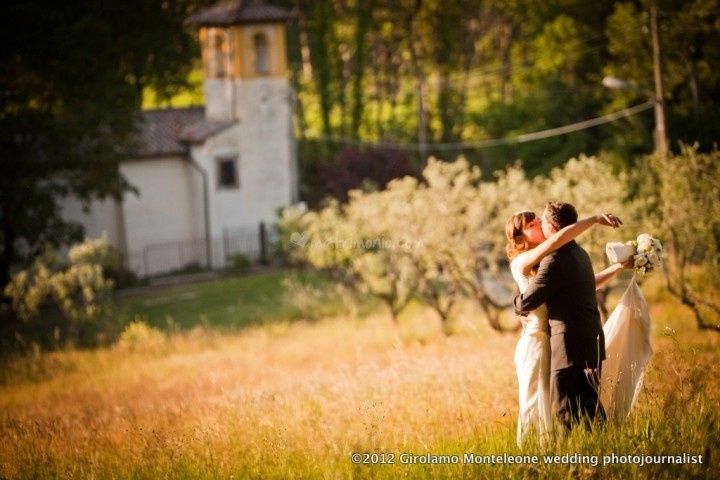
294	400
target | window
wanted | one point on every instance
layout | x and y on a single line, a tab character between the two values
260	44
217	54
227	172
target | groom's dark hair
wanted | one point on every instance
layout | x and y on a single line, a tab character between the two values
560	214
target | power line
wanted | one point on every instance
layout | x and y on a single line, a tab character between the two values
494	142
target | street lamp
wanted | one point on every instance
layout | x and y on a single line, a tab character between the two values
616	83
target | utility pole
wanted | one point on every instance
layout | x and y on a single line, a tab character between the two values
660	132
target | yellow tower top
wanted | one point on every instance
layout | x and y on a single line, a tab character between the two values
242	39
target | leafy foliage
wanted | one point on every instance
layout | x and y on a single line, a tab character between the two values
80	290
476	70
684	195
71	80
441	237
687	30
371	168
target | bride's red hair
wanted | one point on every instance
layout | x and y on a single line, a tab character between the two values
516	241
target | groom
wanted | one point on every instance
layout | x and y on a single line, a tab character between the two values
565	282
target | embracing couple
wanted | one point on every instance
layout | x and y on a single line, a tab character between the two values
559	357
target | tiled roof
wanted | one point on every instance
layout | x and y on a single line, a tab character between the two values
167	131
160	130
236	12
200	131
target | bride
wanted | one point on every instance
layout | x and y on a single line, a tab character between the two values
526	247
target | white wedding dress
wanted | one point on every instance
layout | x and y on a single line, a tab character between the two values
532	364
627	351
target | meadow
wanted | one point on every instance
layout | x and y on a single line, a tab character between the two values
246	381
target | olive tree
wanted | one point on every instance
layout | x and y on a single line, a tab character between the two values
683	191
442	237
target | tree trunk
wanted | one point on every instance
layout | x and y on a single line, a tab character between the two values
661	143
420	82
682	293
380	96
506	70
320	58
339	75
364	15
445	107
393	313
694	91
492	314
8	253
297	64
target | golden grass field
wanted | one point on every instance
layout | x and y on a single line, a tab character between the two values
293	400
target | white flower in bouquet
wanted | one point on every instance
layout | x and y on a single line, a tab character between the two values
640	260
645	243
649	254
657	245
646	252
653	258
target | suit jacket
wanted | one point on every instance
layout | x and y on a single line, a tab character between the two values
565	282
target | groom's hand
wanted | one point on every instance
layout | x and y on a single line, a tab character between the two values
517	301
609	220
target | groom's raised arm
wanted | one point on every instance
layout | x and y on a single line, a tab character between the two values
543	286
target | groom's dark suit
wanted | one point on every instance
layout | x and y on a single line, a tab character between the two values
565	282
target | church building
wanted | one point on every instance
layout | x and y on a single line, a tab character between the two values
208	177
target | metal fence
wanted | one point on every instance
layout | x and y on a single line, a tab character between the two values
193	254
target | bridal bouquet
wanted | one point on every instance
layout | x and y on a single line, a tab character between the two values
647	252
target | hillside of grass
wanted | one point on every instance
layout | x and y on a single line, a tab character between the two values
294	398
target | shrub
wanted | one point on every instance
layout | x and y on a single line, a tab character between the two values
80	290
123	277
95	251
367	168
138	335
187	269
239	262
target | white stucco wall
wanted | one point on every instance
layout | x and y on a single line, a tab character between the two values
219	98
168	210
163	228
103	217
264	145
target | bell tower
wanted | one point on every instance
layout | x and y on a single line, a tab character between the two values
245	143
244	57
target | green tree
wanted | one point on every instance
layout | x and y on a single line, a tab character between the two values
688	32
442	237
428	71
557	86
681	196
71	81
